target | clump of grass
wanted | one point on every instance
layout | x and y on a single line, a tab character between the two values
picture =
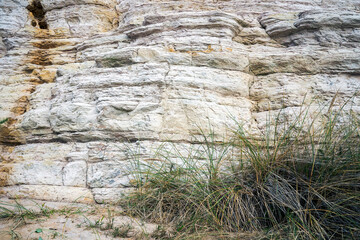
298	179
13	234
162	233
93	224
110	220
100	223
122	231
3	120
19	214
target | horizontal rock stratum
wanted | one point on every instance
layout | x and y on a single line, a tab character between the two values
86	83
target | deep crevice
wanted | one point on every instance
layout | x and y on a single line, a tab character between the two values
38	11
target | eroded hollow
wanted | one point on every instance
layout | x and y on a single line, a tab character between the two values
39	14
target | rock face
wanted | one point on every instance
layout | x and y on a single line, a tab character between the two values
85	83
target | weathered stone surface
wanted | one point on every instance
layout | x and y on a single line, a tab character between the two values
28	173
2	48
80	20
110	195
314	28
109	175
75	174
50	193
277	91
88	86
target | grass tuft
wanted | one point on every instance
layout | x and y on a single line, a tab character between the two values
2	121
122	231
298	179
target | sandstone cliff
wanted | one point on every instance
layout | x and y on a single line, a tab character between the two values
82	82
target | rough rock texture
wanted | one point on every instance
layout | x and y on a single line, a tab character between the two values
85	83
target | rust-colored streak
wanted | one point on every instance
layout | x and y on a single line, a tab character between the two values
40	57
8	131
48	44
22	106
46	34
38	60
9	134
5	172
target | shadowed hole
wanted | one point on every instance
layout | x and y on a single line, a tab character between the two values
38	11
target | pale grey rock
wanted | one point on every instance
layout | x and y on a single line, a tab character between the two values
13	15
74	174
109	175
282	90
13	20
37	121
28	173
82	20
110	195
105	83
37	152
64	113
54	4
305	61
314	28
50	193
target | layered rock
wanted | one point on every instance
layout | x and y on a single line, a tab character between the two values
88	84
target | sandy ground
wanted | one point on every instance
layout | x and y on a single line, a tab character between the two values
54	220
72	221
